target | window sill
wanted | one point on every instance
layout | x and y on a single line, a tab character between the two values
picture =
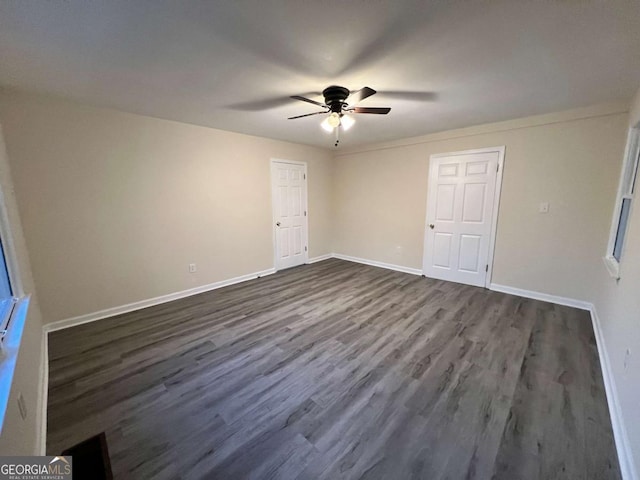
613	266
10	347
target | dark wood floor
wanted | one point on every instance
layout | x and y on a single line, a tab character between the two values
337	370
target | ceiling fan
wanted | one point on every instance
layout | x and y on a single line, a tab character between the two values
338	110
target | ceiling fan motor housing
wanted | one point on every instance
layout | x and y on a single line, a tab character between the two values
335	97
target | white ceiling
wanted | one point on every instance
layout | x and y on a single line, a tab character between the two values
233	64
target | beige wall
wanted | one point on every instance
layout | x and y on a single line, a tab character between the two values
115	206
618	307
22	437
570	159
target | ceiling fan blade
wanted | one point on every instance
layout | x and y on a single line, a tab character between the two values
409	95
357	97
260	105
306	115
376	110
308	100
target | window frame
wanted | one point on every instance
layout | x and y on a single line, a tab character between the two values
13	336
626	191
13	272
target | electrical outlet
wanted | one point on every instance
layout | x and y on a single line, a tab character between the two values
192	268
22	406
399	250
544	207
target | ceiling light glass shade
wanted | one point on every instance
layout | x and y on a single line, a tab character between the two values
325	125
334	119
347	122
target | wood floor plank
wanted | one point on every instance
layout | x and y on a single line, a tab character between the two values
337	371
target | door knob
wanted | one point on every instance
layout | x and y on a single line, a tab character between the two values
431	226
277	224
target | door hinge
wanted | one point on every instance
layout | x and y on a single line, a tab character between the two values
486	268
498	168
304	176
305	248
305	213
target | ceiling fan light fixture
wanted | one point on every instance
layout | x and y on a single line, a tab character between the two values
334	120
338	111
347	122
331	122
325	125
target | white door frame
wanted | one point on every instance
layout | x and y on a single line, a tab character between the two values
496	204
273	209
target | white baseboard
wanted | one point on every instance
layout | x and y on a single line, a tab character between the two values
111	312
545	297
625	457
373	263
320	258
43	396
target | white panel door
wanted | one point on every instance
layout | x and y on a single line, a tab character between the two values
289	191
460	216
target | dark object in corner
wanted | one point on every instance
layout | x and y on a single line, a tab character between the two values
91	459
